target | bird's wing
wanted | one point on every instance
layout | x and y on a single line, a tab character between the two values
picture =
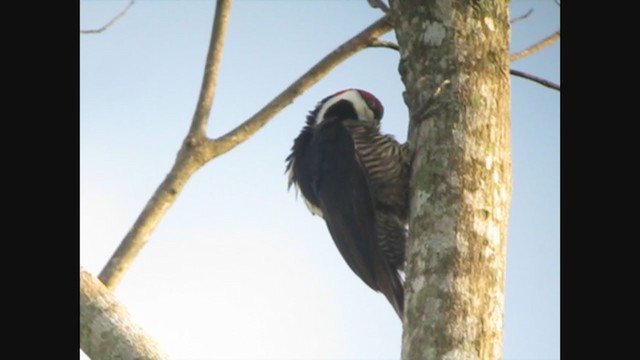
299	169
341	187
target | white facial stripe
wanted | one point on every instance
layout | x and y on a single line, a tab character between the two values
363	111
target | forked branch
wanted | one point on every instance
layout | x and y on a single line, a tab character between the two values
245	130
188	161
513	57
197	149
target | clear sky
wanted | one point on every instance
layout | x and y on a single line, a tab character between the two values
238	268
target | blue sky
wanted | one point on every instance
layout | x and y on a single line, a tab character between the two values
238	268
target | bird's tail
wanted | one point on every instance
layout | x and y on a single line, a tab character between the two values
393	290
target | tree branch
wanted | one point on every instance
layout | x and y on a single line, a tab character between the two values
210	77
535	47
188	161
245	130
107	25
522	17
197	150
379	4
106	330
384	44
539	80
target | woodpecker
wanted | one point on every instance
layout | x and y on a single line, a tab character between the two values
357	180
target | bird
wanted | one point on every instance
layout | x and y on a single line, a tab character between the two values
357	180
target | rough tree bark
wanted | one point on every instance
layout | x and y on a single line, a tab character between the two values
455	67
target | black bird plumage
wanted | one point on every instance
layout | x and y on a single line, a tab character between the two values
357	179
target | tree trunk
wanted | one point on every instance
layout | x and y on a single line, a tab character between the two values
455	67
106	332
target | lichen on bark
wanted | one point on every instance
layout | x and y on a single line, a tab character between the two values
454	64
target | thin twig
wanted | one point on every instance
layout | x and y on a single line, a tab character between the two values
522	17
121	14
547	83
312	76
535	47
189	160
194	154
384	44
539	80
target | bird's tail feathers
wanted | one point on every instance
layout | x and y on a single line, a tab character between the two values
393	290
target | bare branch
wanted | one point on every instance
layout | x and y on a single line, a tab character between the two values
214	56
121	14
188	161
312	76
106	330
384	44
197	150
535	47
522	17
557	2
513	57
379	4
539	80
547	83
